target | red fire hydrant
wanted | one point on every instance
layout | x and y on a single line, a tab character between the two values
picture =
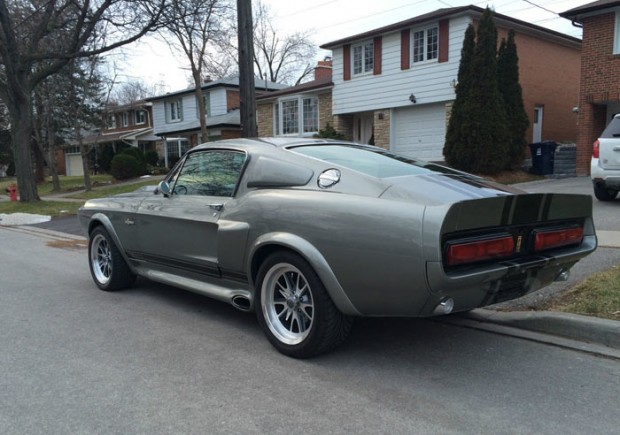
12	189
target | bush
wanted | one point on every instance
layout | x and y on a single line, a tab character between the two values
104	158
151	158
330	132
125	166
138	155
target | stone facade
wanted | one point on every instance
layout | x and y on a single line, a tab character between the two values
381	128
264	118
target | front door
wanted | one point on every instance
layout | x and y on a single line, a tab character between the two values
362	127
181	230
537	124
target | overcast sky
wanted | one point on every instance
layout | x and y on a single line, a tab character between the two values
330	20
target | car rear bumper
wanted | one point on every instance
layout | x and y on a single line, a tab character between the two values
610	178
501	282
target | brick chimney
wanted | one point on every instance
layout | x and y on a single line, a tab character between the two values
323	69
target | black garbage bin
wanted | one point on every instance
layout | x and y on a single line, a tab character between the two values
542	157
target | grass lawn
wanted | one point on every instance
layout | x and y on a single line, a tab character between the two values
104	185
598	295
46	208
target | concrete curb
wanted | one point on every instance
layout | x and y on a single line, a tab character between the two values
572	326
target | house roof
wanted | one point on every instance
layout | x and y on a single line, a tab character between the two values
448	13
141	104
314	85
138	134
576	14
228	82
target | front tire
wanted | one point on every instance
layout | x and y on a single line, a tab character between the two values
604	194
295	310
107	266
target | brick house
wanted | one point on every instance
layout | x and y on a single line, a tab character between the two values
300	110
394	86
129	124
599	95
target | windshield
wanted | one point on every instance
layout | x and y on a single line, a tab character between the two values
374	162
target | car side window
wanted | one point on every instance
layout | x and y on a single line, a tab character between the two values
210	173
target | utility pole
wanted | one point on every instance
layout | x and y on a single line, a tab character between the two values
247	100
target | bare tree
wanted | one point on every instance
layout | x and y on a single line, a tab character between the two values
278	57
196	25
39	37
131	91
281	58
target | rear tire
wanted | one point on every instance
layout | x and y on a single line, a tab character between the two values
295	310
107	266
604	194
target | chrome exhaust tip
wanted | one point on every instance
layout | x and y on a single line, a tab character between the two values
563	275
445	307
241	303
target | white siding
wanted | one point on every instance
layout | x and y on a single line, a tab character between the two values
419	131
429	82
190	111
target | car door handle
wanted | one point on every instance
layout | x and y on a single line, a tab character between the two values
216	206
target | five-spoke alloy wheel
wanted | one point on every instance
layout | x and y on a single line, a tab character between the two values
107	265
294	308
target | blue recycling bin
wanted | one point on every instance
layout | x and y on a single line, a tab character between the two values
543	154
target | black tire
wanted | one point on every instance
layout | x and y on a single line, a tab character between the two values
107	266
604	194
295	310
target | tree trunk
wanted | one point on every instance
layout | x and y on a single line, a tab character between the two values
84	153
51	150
202	109
21	129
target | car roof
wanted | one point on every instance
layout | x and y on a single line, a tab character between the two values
276	142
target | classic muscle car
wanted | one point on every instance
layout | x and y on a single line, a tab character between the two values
312	233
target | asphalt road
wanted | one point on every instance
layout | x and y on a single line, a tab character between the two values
158	360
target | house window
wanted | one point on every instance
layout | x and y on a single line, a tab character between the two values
174	111
297	116
311	115
111	124
363	58
206	96
425	45
290	117
125	119
140	116
175	149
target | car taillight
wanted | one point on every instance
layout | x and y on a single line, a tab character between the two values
479	250
544	240
596	146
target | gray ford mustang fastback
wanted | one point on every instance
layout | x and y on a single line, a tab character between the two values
312	233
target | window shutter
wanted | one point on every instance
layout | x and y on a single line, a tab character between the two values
405	49
346	62
444	37
377	49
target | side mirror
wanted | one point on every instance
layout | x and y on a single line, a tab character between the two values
164	188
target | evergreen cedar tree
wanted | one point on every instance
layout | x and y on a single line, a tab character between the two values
508	80
481	138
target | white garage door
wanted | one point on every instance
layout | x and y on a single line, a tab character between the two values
74	165
420	131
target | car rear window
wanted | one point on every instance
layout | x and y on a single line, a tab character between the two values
374	162
613	129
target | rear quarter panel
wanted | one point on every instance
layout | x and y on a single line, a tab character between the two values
373	246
